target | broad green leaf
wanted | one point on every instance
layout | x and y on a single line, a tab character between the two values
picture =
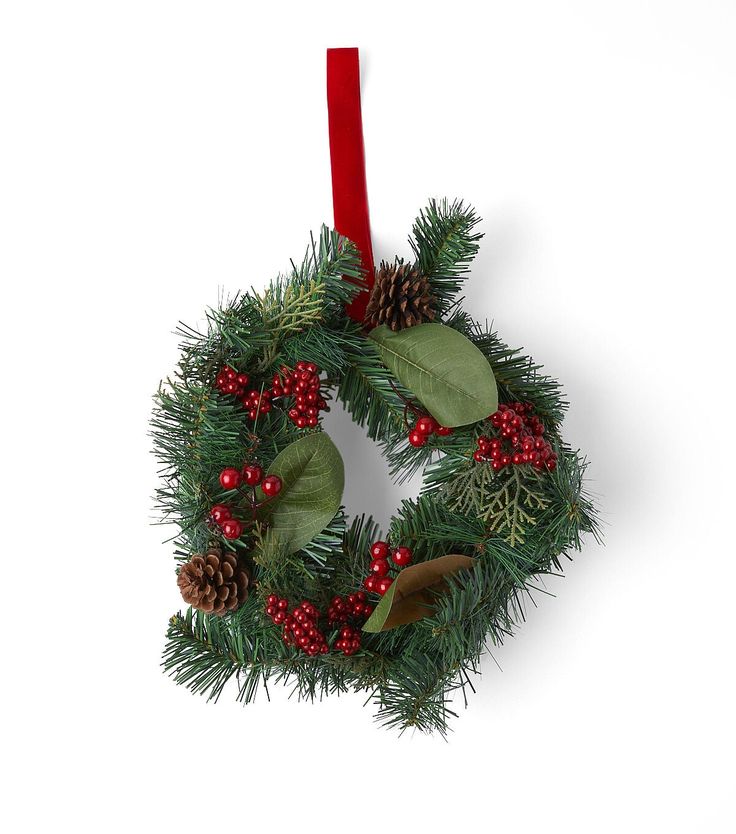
412	594
313	478
443	369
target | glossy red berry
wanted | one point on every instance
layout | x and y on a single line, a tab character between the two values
443	431
416	438
380	550
369	583
379	567
402	556
271	485
383	585
253	474
232	529
220	513
427	425
230	478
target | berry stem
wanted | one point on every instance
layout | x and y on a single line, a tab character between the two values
409	404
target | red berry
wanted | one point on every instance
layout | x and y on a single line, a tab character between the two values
443	431
230	478
379	567
369	583
380	550
402	556
220	513
232	529
478	456
253	474
416	438
427	425
271	485
383	585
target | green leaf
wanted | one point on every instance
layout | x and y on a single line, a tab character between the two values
313	478
444	369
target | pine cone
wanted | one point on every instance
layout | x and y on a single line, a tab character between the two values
215	583
400	297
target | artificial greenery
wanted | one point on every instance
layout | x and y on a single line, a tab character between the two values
515	525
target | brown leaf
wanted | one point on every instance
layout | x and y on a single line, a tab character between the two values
411	596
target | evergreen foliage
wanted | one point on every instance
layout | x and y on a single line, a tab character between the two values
516	525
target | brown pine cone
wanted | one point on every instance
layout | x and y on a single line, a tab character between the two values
215	582
400	297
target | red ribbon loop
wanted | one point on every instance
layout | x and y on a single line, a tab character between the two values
347	155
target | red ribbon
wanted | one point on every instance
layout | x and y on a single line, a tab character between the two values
347	155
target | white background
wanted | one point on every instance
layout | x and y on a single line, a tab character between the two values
152	153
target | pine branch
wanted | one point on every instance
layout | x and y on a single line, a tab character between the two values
417	696
369	392
444	244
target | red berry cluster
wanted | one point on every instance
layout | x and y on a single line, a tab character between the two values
424	428
304	384
378	581
342	609
301	627
520	440
352	606
229	381
250	475
222	515
231	478
256	402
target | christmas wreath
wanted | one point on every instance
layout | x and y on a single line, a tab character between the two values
279	584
